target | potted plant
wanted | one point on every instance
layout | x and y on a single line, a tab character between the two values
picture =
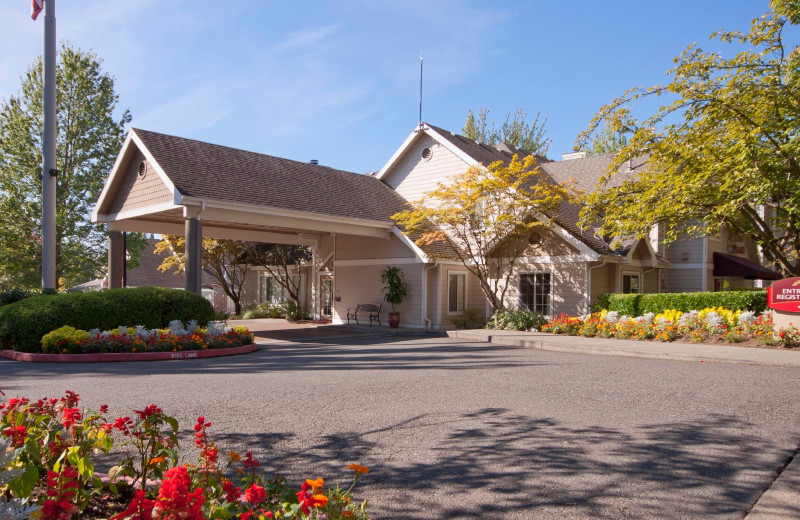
395	290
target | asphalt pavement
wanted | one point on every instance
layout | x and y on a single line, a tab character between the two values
462	428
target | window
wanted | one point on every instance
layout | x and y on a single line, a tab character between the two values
535	292
456	292
270	290
630	283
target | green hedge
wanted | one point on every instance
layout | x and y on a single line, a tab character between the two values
640	304
22	324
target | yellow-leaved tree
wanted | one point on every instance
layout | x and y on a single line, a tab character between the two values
486	215
221	259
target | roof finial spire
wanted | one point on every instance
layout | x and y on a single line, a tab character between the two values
420	90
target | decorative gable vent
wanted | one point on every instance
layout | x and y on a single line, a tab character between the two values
427	153
142	169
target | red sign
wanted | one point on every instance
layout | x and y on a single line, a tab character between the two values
784	295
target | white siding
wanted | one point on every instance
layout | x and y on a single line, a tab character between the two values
412	176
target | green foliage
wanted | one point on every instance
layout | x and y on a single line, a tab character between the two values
22	324
14	295
395	288
722	153
514	131
64	338
467	320
607	140
277	259
89	138
641	304
519	319
267	310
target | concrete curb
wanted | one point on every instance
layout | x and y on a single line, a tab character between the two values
631	348
781	500
125	356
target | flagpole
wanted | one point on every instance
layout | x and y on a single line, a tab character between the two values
49	172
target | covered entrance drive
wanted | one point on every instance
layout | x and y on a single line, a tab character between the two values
169	185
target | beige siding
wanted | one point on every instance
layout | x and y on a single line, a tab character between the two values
650	281
349	247
604	281
475	299
136	192
551	245
413	176
567	279
362	284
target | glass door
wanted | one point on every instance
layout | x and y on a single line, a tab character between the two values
326	297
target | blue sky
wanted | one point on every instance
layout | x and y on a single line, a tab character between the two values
339	81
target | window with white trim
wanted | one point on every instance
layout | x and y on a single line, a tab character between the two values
630	283
270	290
535	292
456	292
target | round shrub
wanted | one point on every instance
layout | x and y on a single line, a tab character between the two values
64	339
24	323
518	319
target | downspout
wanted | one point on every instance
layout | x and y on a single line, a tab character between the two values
705	265
425	318
588	292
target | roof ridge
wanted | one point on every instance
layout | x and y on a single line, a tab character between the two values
206	143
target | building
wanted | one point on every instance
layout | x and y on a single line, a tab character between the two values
170	185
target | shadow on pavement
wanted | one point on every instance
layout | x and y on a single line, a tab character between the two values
497	464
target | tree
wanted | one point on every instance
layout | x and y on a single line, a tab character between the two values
89	137
220	258
276	259
514	131
487	215
607	140
723	153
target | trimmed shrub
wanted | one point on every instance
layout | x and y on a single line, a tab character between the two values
66	338
519	319
24	323
14	295
640	304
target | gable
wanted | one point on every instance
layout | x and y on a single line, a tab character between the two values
412	175
550	245
139	187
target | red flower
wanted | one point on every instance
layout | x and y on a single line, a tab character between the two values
147	412
123	424
61	489
70	417
70	399
17	434
104	408
249	461
255	494
141	508
308	499
174	498
200	438
232	494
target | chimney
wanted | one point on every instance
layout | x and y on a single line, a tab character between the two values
573	155
313	161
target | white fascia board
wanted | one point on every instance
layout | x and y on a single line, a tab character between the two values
176	195
458	152
378	261
115	172
649	247
559	259
280	212
410	141
172	228
570	238
410	244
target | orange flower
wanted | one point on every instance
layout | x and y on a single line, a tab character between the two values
319	500
235	457
315	484
156	460
358	469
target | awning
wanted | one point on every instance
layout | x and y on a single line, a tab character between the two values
729	265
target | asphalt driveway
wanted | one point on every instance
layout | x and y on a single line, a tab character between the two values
458	429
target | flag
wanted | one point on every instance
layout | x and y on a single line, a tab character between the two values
36	8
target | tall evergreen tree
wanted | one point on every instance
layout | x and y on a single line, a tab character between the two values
89	138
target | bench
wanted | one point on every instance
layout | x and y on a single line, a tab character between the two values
365	309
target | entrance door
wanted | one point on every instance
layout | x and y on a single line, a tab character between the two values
326	297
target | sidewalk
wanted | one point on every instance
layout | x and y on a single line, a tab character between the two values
623	347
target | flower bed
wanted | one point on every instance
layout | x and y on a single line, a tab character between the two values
47	470
176	338
707	325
